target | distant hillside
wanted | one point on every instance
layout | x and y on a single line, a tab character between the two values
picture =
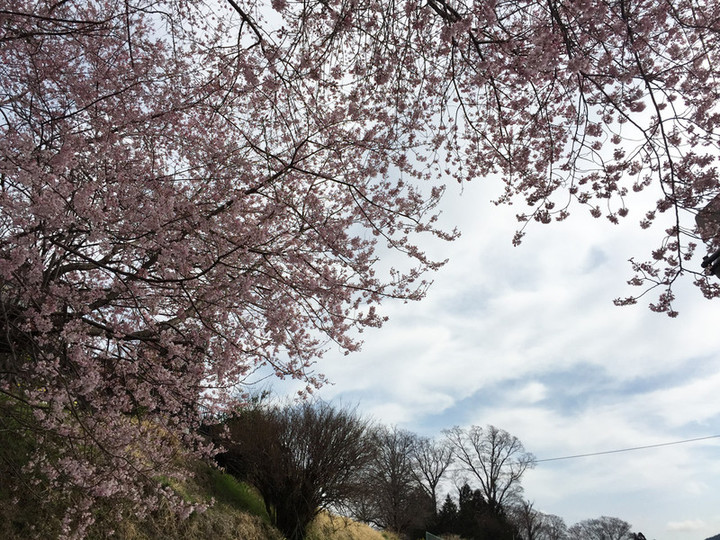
716	537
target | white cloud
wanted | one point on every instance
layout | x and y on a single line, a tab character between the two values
532	392
527	339
688	525
692	402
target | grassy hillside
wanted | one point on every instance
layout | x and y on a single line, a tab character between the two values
235	512
30	509
238	513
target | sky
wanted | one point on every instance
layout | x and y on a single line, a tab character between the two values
527	339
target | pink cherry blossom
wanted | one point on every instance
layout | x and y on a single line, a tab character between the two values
192	192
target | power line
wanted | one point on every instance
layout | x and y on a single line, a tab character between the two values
628	449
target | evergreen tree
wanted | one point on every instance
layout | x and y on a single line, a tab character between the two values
446	520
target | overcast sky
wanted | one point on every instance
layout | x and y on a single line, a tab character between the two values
528	339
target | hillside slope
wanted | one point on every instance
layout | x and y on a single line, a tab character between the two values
235	511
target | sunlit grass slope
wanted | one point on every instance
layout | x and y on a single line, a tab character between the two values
235	512
329	527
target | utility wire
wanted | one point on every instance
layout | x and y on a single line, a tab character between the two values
628	449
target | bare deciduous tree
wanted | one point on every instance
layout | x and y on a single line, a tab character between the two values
431	459
302	458
495	458
392	497
555	528
530	522
602	528
535	525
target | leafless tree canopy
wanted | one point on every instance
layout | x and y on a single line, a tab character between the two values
302	458
431	459
495	458
602	528
392	497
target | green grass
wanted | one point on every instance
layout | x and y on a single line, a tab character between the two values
226	489
31	510
235	509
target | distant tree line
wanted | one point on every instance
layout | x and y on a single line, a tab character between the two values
307	457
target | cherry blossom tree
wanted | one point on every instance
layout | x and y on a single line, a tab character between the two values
183	203
585	102
192	191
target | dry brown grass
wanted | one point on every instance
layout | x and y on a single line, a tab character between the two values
220	522
330	527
